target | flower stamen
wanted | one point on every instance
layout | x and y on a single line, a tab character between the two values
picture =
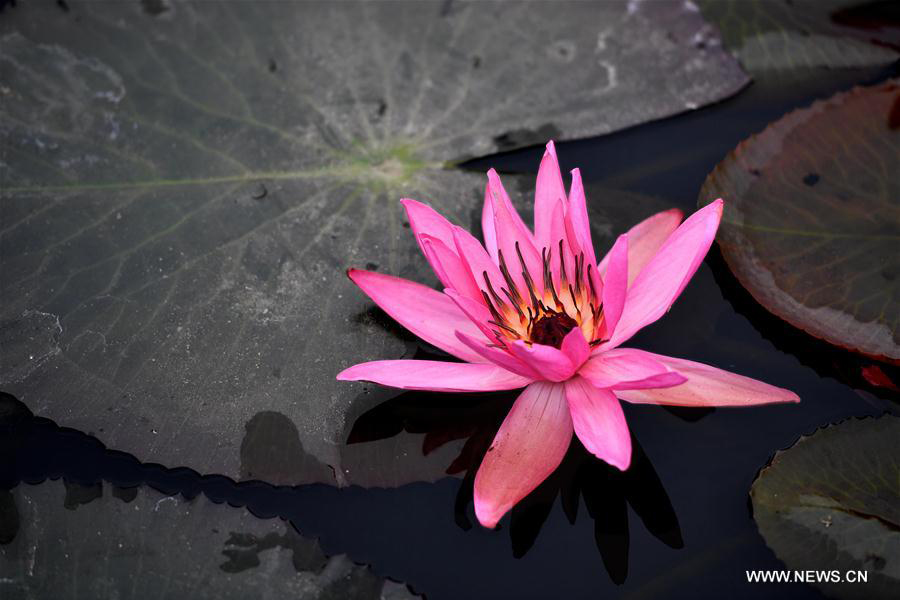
537	321
507	328
513	293
528	281
563	277
487	280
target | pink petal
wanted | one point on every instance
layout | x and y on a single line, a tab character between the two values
502	201
475	310
576	347
599	422
488	227
549	192
707	386
429	314
645	239
561	253
499	357
424	220
661	380
551	364
427	246
510	233
615	284
528	447
579	227
449	267
478	261
578	218
434	375
661	281
626	369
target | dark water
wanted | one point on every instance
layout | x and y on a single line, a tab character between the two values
677	525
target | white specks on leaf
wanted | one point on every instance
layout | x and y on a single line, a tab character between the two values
159	502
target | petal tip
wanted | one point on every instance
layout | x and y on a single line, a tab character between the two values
355	275
622	463
344	375
781	396
410	205
486	513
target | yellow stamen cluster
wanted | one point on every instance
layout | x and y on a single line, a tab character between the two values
548	313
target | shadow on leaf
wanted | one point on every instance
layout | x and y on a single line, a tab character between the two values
606	491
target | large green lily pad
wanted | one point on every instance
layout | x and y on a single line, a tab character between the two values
812	219
832	502
184	185
777	35
86	542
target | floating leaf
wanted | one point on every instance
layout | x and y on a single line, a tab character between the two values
184	185
104	542
812	220
832	502
775	35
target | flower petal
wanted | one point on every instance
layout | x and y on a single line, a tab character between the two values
499	357
707	386
551	364
599	422
429	314
576	347
661	281
661	380
578	218
488	227
615	284
478	261
435	375
529	446
561	256
502	201
449	267
549	192
645	239
627	369
424	220
475	310
512	237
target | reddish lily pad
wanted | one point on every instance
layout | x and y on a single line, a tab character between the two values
812	219
183	190
832	502
67	540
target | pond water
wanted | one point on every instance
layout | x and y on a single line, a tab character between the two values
678	524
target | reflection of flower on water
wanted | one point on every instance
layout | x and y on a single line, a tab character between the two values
536	310
606	491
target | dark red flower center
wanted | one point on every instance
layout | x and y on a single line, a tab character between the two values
550	329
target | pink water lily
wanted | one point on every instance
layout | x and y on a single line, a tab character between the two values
535	310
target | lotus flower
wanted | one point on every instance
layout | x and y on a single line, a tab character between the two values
535	310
